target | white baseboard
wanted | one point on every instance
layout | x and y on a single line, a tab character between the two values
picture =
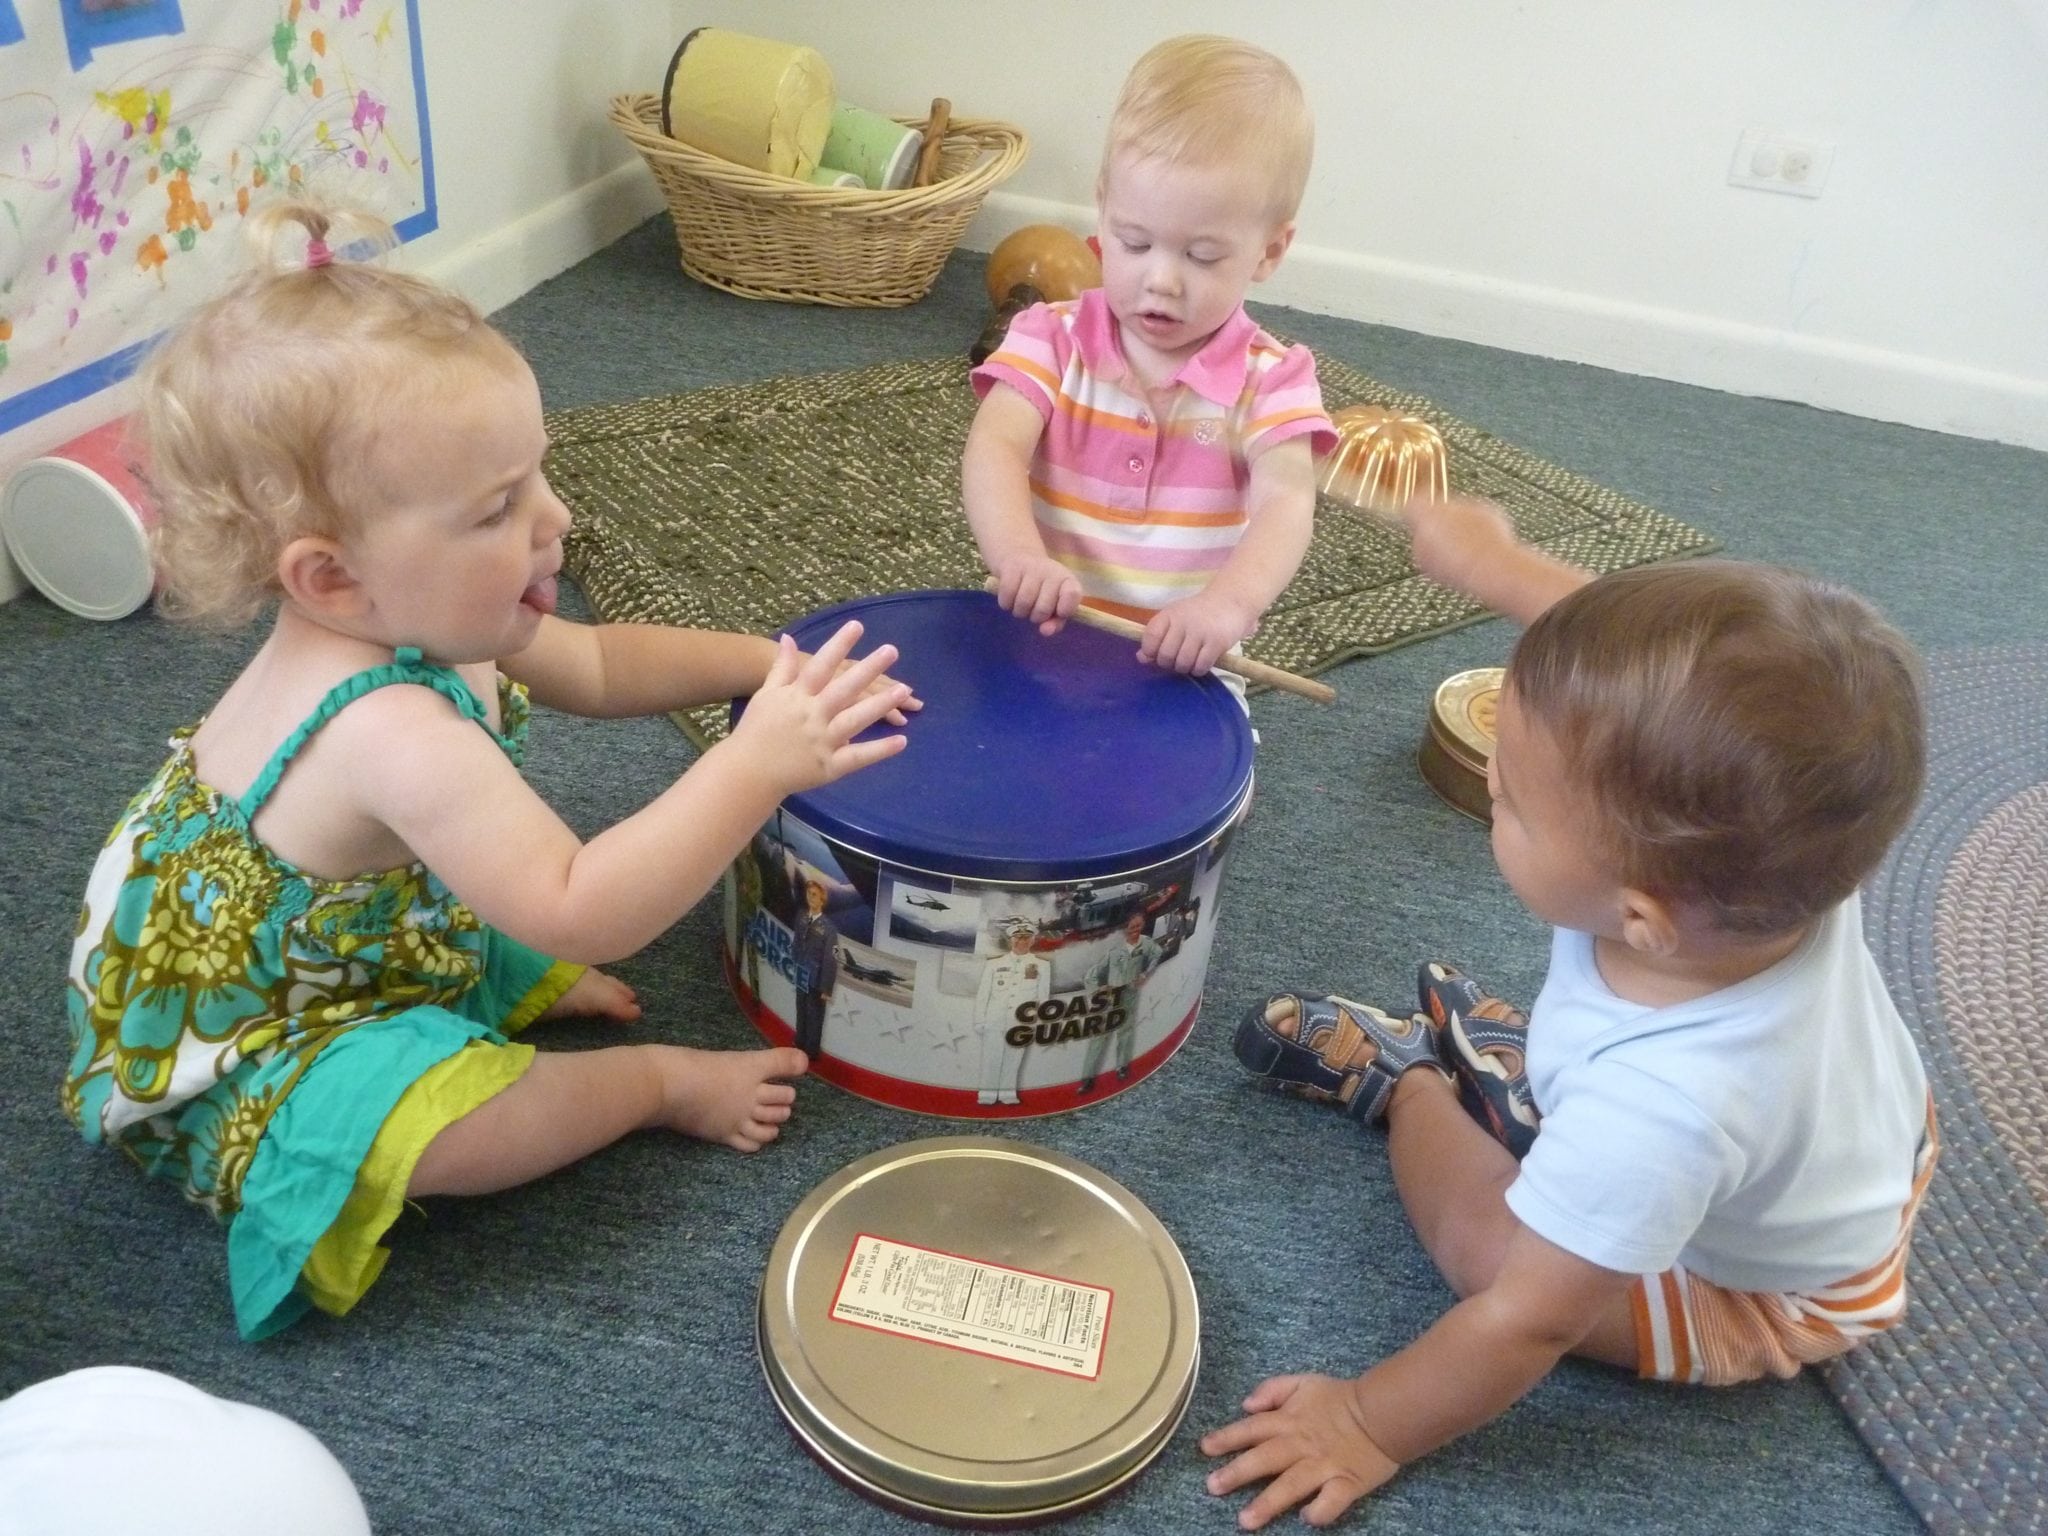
494	269
1629	338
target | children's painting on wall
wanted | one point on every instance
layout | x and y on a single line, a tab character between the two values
134	134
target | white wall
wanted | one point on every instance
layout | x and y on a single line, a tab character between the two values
1545	178
532	175
1552	178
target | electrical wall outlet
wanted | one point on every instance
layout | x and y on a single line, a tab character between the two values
1774	162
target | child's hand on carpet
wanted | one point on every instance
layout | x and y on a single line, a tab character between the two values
1305	1434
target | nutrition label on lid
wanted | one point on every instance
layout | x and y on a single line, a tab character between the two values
962	1303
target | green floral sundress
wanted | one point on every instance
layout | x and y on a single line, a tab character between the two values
246	1030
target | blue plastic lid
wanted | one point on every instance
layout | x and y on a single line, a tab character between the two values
1034	759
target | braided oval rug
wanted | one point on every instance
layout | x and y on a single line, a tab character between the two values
746	506
1955	1399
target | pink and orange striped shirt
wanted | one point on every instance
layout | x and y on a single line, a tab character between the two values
1145	510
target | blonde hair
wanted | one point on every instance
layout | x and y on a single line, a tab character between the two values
1748	740
1209	101
259	412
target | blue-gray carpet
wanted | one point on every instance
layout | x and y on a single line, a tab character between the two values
577	1356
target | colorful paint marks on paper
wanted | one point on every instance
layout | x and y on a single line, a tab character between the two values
122	183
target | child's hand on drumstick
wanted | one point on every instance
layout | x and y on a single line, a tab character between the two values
1192	634
1037	587
800	724
1229	661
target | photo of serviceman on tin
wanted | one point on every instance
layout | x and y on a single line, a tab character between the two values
793	905
815	950
1175	926
1014	977
1125	967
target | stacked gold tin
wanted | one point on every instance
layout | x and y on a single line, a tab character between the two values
979	1331
1458	744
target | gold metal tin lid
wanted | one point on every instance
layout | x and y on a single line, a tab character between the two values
1463	715
979	1330
1459	742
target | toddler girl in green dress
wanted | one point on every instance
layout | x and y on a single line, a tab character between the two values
304	948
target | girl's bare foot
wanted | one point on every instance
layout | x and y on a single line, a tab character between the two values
727	1096
594	995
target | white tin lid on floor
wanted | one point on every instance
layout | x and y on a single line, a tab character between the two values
978	1330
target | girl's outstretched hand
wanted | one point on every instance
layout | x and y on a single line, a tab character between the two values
900	715
801	721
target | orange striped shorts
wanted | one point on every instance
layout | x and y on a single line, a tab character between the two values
1689	1329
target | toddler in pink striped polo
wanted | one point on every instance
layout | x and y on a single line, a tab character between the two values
1147	449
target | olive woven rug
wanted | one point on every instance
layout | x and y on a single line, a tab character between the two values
1954	1401
746	506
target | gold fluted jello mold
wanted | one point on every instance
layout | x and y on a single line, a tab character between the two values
1384	460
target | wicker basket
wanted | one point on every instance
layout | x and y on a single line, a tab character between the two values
770	237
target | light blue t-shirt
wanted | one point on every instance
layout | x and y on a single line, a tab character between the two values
1762	1135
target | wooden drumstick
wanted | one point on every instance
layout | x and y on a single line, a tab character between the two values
1230	661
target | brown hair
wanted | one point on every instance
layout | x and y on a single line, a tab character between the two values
1751	739
260	411
1204	100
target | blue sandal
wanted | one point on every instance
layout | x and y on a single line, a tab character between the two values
1485	1043
1339	1052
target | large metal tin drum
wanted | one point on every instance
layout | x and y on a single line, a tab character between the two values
1013	915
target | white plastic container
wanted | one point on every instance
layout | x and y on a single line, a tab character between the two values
77	520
